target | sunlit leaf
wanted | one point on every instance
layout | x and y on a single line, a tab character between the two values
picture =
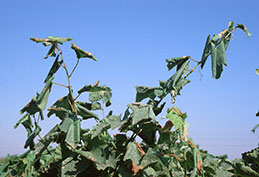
73	134
243	27
218	58
82	53
178	61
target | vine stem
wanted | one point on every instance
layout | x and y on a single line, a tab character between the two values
68	80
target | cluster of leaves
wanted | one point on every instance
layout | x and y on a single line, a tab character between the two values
69	150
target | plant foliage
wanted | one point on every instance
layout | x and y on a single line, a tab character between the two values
163	150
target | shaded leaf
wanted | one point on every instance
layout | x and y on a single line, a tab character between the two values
206	52
132	153
29	141
56	65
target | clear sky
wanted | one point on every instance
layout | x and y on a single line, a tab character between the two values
132	39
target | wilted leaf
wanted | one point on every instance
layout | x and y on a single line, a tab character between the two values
29	141
82	53
60	108
206	52
73	134
132	153
52	51
141	112
176	117
148	92
218	58
178	61
84	112
51	39
56	65
172	81
243	27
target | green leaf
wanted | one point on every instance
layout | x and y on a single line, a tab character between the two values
26	121
218	58
172	81
105	124
90	106
148	92
148	133
103	94
206	52
52	51
94	88
43	144
56	65
72	167
29	141
84	112
67	122
73	134
141	112
82	53
132	153
38	103
176	117
178	61
60	108
257	71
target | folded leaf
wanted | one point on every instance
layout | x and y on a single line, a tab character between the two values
54	68
82	53
206	52
178	61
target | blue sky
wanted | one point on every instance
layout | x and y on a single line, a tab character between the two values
132	39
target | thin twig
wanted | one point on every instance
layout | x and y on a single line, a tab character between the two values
77	62
192	70
194	60
60	84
